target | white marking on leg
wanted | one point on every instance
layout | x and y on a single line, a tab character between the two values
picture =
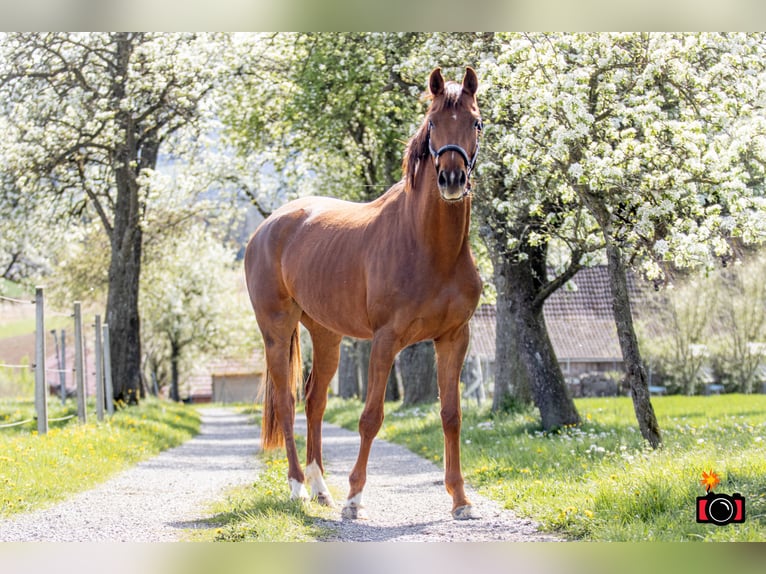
316	481
297	490
354	509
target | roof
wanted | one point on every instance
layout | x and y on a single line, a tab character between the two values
578	316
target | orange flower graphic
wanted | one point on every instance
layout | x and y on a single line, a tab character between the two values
710	480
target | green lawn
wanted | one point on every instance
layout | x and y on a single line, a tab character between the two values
38	470
14	290
262	511
599	481
26	326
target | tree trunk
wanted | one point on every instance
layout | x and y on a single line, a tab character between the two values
511	385
417	364
175	355
547	384
353	371
636	374
352	368
348	379
473	378
134	152
522	286
392	387
623	318
362	355
122	299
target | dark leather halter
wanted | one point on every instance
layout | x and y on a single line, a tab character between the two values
469	162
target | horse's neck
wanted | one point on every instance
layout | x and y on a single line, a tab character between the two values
441	227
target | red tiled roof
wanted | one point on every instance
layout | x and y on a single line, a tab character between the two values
578	316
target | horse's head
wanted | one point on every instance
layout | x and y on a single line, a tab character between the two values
452	128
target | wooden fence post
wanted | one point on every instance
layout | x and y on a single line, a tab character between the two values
79	366
108	372
61	362
63	366
41	385
99	372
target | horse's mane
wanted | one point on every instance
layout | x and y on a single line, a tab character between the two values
417	147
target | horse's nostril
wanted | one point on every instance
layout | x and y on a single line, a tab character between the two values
462	179
442	179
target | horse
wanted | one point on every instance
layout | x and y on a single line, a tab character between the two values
397	270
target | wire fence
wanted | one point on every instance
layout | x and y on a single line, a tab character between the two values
27	421
103	383
13	300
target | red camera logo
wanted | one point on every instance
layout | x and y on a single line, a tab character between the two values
719	509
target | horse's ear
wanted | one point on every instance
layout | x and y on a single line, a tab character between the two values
470	82
436	82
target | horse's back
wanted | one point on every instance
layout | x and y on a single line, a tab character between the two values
314	251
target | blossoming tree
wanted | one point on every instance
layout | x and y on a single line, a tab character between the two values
86	116
660	137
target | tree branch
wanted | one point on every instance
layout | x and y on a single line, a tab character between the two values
93	197
551	286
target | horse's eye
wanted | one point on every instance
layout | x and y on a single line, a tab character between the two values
479	125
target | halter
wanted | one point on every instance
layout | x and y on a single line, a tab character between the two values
469	163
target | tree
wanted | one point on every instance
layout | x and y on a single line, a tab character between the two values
87	115
739	337
674	328
29	231
190	293
645	131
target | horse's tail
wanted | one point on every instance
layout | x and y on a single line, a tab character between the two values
271	427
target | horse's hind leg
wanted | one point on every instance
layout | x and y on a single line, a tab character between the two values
326	346
284	367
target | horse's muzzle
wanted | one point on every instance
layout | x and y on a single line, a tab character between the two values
452	184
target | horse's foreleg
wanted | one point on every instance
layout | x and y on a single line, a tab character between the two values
450	353
381	359
326	346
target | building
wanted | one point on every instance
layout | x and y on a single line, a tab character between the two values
226	381
580	325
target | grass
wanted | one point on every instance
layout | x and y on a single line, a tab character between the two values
262	512
16	382
18	327
36	471
13	289
599	481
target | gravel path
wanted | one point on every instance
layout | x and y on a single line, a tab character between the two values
406	499
158	499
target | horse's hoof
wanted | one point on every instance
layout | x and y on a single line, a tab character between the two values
325	499
354	512
298	491
464	513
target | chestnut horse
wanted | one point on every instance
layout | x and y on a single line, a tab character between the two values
397	270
